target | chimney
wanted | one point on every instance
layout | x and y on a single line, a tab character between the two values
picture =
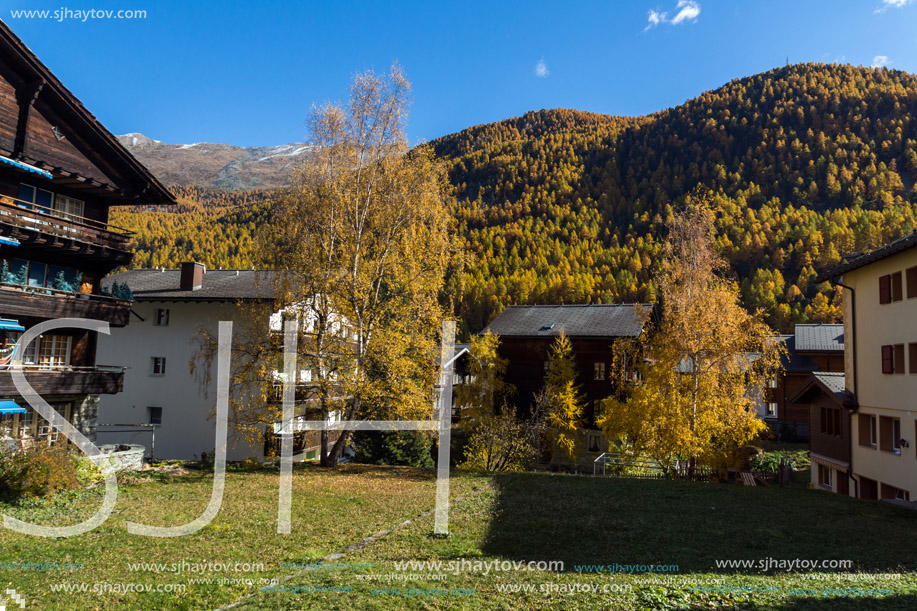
192	276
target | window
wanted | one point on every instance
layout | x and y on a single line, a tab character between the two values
599	371
26	195
891	492
30	195
46	351
888	427
154	415
771	410
162	317
772	382
158	366
38	274
831	421
68	207
910	275
594	443
824	475
867	430
26	421
547	368
54	351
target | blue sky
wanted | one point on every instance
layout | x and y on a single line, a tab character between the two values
247	73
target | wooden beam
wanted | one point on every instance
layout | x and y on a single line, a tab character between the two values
25	97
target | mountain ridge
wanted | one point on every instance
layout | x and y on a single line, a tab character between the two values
211	165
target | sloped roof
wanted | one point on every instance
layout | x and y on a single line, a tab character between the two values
145	188
820	338
592	320
899	245
831	383
217	285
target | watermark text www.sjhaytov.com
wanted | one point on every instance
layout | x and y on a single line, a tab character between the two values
784	564
67	14
196	567
463	565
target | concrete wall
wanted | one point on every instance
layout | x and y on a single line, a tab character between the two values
882	394
186	430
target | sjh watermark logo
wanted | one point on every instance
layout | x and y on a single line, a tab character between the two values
12	598
442	425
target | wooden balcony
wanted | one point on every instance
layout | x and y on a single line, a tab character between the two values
67	381
34	224
38	302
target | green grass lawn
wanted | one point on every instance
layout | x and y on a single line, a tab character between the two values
579	521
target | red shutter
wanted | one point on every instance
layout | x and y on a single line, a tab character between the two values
885	289
899	358
888	362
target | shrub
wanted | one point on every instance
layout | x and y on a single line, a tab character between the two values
407	448
38	471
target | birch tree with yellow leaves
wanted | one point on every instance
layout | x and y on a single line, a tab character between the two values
706	365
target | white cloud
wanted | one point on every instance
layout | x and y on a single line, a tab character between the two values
688	10
887	4
541	69
880	61
655	18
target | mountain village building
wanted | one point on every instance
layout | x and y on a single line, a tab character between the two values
60	173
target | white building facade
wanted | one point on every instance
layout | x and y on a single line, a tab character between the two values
161	395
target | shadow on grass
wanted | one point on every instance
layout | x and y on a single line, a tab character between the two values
592	520
904	602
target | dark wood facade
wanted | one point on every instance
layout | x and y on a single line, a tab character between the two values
526	369
60	173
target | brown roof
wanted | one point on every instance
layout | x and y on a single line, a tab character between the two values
217	285
145	188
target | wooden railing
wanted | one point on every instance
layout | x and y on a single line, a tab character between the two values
31	216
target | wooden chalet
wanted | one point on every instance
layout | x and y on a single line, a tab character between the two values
812	348
526	334
60	173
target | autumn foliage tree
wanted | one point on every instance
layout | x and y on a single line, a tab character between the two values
362	237
707	363
563	401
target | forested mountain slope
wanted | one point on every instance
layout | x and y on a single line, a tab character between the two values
807	163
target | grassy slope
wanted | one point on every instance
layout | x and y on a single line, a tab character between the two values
587	520
330	510
579	520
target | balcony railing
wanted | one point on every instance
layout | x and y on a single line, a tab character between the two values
33	217
17	300
92	380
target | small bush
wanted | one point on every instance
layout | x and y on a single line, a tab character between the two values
38	471
407	448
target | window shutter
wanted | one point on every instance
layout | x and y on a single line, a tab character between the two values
911	277
885	292
863	421
899	358
896	286
887	359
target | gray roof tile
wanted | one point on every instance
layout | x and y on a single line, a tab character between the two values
820	338
592	320
217	285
